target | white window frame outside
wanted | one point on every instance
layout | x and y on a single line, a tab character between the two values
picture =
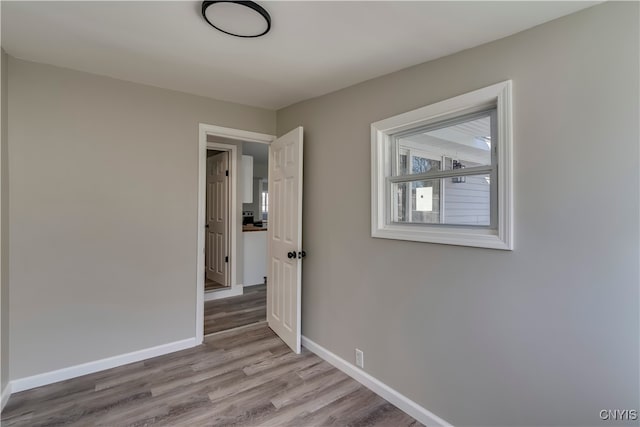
500	237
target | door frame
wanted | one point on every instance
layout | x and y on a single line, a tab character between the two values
237	135
234	288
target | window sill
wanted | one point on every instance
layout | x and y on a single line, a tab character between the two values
459	236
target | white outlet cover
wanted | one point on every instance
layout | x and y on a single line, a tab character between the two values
359	358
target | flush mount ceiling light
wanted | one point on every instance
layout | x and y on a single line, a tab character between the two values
237	18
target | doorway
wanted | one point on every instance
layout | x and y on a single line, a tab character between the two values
227	310
217	281
284	236
218	262
217	221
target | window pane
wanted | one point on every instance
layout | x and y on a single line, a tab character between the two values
264	205
417	202
423	164
403	164
466	143
464	200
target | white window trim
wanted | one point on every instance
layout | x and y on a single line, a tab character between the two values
499	238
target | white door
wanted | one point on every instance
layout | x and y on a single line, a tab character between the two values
217	225
285	238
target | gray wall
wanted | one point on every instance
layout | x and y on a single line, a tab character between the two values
4	227
544	335
103	211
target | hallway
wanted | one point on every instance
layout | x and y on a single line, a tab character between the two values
229	313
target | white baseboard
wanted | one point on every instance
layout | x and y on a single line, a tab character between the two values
98	365
5	395
421	414
225	293
253	284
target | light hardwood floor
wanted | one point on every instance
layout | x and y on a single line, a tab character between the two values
228	313
245	377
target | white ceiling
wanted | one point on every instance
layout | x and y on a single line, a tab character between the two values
313	48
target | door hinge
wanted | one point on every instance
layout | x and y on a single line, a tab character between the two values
226	259
226	173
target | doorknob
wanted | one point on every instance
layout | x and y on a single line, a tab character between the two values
302	254
291	255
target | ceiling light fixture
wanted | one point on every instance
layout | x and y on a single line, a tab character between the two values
245	19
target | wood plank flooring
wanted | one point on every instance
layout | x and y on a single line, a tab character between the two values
212	285
228	313
245	377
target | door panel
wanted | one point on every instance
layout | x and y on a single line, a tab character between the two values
217	210
285	236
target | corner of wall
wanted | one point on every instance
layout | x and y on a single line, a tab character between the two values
4	238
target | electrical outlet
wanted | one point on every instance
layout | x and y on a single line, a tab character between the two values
359	358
